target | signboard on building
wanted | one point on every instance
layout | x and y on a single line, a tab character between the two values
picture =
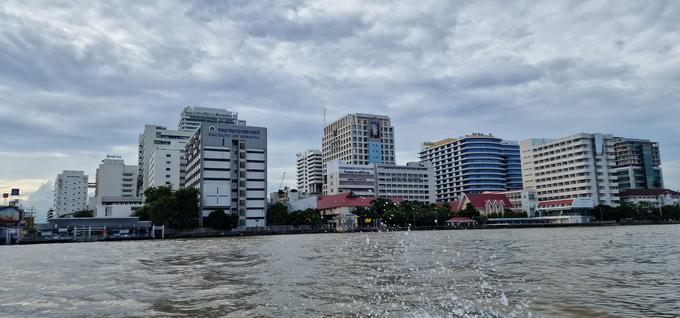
374	130
10	214
15	192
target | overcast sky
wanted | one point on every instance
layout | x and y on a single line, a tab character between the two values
79	79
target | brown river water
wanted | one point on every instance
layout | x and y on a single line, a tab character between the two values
627	271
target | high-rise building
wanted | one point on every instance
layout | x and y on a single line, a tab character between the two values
475	163
70	192
310	172
161	159
577	166
638	164
359	139
414	181
192	117
228	165
116	189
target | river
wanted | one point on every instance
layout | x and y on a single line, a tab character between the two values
627	271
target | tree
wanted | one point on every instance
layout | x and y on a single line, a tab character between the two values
186	201
174	209
220	220
469	211
277	214
153	194
83	214
306	217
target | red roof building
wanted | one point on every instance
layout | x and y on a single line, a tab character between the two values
485	203
344	203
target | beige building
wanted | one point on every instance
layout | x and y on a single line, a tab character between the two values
359	139
577	166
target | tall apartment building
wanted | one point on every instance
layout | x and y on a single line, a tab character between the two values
161	158
116	189
359	139
228	165
192	117
475	163
310	172
414	181
70	192
577	166
638	164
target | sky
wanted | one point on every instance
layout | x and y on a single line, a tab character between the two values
79	79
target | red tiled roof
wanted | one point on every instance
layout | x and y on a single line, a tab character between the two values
479	200
454	205
460	219
646	192
347	199
555	202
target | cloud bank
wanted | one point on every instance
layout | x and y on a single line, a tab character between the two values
79	79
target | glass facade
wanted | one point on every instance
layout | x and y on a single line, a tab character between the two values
474	164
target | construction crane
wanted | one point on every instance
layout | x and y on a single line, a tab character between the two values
281	184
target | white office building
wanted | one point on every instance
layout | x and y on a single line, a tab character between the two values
192	117
310	172
161	159
359	139
70	192
577	166
524	200
116	189
413	181
228	165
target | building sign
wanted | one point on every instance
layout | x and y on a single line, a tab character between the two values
233	133
5	195
374	130
15	192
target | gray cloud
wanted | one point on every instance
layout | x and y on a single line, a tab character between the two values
79	79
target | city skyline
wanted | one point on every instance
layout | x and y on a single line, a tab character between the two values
70	94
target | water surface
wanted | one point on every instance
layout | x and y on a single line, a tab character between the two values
565	272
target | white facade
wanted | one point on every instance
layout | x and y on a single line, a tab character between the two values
192	117
116	189
577	166
524	200
166	168
161	159
70	192
359	139
414	181
310	172
116	207
655	197
342	177
116	179
228	165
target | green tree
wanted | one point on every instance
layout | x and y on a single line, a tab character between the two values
307	217
277	214
469	211
83	214
174	209
153	194
186	200
142	213
220	220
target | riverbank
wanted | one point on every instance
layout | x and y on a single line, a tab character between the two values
292	231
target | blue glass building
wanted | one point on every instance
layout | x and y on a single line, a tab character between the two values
473	164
